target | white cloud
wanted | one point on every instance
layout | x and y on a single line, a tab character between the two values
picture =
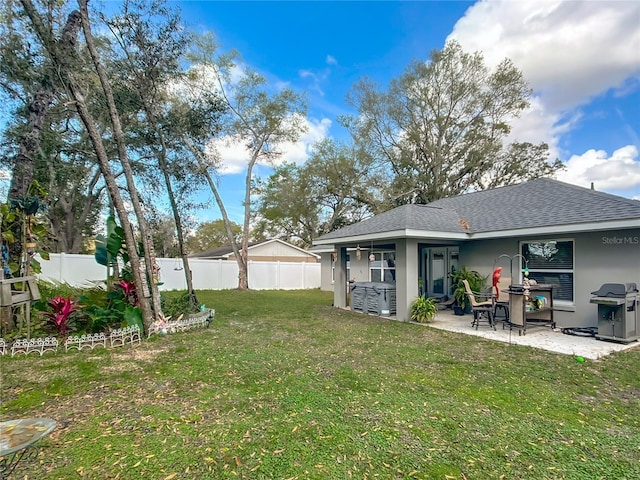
619	172
316	79
299	152
569	51
331	60
234	155
536	125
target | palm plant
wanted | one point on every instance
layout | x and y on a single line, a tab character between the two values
476	281
423	309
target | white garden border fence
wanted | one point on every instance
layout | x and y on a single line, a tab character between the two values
78	270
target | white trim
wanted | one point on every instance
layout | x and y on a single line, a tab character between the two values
559	229
411	233
383	265
324	249
438	235
572	271
394	235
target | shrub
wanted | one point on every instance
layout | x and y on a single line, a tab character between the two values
175	304
423	309
61	317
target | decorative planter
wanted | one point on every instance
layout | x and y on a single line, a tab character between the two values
458	310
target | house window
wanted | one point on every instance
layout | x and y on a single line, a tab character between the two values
552	262
383	268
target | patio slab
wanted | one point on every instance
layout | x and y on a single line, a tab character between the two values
537	337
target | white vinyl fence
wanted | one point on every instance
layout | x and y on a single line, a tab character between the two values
78	270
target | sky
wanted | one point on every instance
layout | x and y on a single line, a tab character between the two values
581	58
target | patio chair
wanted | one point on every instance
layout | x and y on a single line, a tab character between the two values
445	303
483	311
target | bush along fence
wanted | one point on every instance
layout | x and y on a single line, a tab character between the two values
115	338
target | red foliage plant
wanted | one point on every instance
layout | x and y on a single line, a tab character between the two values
63	307
129	291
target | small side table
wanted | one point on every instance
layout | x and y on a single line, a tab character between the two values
17	441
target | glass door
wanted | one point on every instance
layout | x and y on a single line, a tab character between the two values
435	265
438	277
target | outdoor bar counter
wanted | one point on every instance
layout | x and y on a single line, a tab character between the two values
537	309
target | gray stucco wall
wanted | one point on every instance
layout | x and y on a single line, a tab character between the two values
600	257
358	269
406	276
326	282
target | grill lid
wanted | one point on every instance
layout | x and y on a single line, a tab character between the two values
615	290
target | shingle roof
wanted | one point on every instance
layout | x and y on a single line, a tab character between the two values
535	204
218	252
538	203
226	250
414	217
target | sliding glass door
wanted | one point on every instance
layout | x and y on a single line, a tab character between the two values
436	264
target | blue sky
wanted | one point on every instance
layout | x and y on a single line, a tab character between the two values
582	59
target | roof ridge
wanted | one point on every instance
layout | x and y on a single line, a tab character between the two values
592	191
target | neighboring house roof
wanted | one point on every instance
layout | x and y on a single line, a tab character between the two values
226	251
538	206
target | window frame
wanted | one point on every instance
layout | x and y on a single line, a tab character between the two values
384	266
571	270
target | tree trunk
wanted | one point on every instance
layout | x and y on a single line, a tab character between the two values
24	165
25	161
124	160
193	299
61	53
243	275
164	167
225	217
67	220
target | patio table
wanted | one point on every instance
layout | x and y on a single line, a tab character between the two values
18	439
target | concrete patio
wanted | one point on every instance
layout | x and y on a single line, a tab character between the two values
537	337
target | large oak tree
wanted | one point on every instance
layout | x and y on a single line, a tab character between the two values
441	127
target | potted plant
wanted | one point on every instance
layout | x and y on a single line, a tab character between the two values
423	309
476	281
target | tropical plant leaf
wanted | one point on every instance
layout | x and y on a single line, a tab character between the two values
133	316
8	237
101	254
114	244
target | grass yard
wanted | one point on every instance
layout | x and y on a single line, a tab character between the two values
283	386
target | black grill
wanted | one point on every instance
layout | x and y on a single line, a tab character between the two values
615	290
617	311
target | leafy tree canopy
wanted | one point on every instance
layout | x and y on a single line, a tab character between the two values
336	187
210	235
441	127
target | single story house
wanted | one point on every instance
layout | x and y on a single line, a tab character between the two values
571	237
274	250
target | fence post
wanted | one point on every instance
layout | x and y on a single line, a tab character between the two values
61	267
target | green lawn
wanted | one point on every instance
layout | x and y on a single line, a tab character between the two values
282	385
